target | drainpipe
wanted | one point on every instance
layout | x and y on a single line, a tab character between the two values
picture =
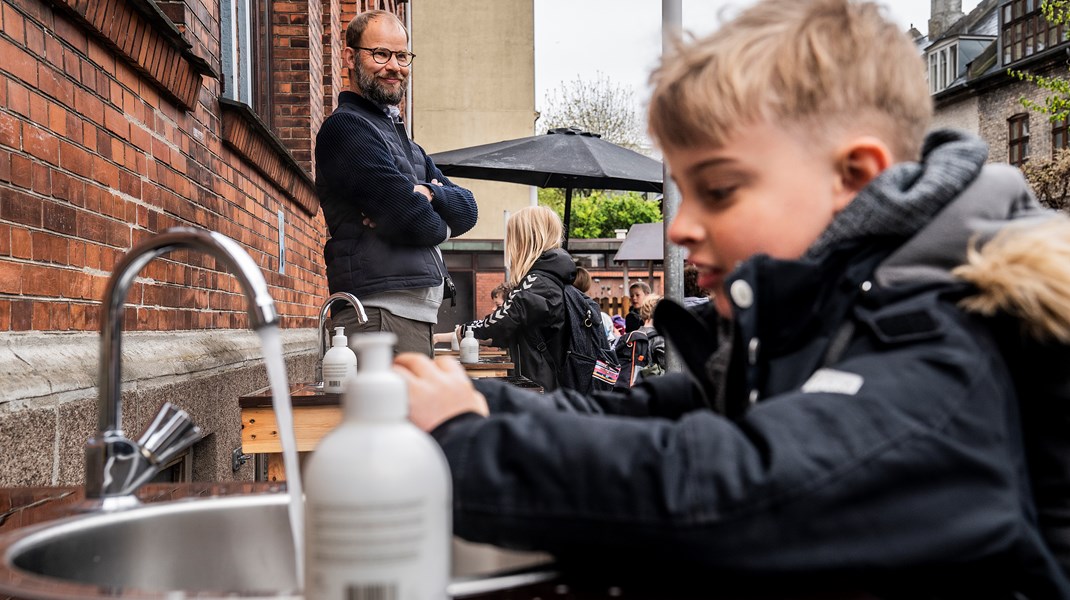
408	84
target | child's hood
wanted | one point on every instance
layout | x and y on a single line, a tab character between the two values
997	237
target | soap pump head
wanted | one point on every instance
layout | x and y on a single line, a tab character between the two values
468	333
339	338
376	392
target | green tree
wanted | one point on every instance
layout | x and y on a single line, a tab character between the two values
595	214
598	106
1056	105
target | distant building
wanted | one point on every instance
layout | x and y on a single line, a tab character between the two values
967	58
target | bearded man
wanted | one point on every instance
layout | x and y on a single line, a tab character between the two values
386	204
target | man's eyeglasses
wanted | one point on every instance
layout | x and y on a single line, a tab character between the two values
382	56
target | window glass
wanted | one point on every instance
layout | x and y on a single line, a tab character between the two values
490	261
1018	139
457	260
1059	137
245	40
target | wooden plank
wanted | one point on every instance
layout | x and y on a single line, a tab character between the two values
481	373
276	470
260	431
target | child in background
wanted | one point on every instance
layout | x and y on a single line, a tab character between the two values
531	321
641	353
886	411
583	284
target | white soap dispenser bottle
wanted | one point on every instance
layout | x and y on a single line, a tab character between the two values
338	363
377	494
469	347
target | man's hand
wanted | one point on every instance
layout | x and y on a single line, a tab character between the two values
420	188
438	390
423	188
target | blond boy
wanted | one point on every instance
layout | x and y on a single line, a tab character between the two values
868	418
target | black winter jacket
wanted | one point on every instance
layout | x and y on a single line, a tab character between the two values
367	167
869	431
531	322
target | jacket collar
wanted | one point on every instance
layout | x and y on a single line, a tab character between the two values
351	97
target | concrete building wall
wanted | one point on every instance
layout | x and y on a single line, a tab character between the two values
474	83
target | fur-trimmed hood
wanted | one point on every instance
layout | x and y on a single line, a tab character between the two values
1024	271
996	236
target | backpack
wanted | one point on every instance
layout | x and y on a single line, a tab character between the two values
589	365
633	352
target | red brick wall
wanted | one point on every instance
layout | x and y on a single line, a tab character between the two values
298	63
485	282
96	154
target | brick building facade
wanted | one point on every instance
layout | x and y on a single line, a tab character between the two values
975	91
122	118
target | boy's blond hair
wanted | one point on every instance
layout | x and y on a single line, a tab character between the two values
646	309
529	232
814	67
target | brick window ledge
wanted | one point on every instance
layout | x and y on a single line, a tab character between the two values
148	41
247	135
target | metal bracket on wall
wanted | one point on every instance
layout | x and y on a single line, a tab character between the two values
238	459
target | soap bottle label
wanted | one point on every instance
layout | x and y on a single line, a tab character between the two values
334	376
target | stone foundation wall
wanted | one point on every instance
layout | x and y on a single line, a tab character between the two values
48	403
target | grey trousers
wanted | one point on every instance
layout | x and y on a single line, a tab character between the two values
413	336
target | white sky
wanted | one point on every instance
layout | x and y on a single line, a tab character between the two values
622	38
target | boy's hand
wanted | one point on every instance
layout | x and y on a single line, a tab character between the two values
438	390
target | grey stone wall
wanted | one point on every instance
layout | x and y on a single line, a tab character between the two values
997	105
48	396
961	115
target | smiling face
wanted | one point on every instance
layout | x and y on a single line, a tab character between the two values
382	84
762	192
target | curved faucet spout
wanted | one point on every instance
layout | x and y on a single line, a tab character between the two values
362	317
261	309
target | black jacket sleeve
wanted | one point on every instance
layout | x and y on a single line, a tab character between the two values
902	473
535	304
455	204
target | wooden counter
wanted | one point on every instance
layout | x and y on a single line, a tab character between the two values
316	412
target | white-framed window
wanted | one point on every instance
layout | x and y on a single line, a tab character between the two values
943	68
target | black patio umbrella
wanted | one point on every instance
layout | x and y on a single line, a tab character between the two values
563	158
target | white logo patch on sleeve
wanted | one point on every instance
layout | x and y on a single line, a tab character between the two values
831	381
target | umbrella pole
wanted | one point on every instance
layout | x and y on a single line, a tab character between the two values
568	216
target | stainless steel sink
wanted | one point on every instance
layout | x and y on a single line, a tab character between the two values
236	546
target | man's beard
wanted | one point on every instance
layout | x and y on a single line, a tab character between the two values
371	89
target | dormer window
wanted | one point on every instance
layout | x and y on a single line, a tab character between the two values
943	67
1026	31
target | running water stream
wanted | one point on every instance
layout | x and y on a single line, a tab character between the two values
280	401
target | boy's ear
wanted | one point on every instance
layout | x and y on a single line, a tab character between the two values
859	162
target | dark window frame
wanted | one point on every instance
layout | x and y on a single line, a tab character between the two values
1018	139
1025	32
1060	136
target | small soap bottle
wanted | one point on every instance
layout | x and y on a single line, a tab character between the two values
377	494
338	363
469	347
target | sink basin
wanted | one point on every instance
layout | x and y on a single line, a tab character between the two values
233	546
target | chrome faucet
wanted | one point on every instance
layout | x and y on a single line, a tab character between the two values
115	465
362	317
